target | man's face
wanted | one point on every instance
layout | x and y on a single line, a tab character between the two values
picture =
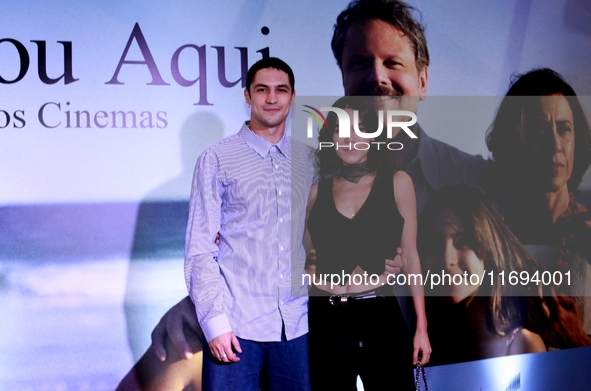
379	60
270	98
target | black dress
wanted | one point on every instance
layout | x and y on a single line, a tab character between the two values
368	338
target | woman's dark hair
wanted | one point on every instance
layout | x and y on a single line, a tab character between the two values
506	137
492	242
378	157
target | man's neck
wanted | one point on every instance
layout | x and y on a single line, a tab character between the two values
272	135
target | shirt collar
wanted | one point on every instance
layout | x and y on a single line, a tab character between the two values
262	146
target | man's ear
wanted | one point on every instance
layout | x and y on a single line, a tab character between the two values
247	96
423	81
293	95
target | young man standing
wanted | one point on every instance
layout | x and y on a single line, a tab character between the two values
251	188
381	51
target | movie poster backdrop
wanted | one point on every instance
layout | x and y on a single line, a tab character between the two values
107	105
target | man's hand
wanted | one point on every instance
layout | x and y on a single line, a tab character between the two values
394	266
225	346
171	324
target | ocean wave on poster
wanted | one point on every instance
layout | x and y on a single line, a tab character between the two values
93	282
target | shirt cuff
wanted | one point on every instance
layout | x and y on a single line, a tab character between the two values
216	326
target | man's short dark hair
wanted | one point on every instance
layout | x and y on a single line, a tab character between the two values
269	62
394	12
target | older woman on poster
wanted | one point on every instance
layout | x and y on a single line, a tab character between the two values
541	145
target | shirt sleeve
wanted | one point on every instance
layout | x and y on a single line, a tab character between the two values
202	272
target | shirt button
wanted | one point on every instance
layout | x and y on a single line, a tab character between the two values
276	166
281	248
281	276
281	220
279	192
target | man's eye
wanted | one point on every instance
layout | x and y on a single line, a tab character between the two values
392	64
358	64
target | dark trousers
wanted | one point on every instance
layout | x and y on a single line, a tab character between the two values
368	338
276	365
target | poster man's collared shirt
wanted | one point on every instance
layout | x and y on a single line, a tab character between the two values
438	164
254	194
